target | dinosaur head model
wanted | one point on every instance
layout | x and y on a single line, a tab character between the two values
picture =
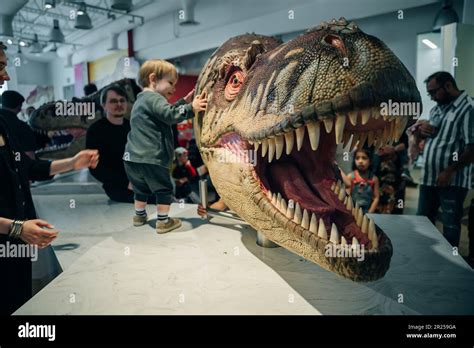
275	115
69	128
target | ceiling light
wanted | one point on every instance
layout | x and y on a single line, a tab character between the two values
9	41
22	43
429	43
48	4
188	12
83	21
122	5
446	15
36	47
56	34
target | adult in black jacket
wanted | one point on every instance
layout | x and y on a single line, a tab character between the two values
18	223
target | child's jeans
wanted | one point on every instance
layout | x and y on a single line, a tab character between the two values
150	179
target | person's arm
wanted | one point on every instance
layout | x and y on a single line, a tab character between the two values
466	158
178	112
376	198
84	159
32	231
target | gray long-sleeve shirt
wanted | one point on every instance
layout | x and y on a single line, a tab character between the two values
151	137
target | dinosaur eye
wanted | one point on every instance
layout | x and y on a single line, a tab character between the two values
234	83
336	42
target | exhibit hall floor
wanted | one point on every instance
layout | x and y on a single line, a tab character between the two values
111	267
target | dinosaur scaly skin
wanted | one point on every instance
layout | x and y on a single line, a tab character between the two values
44	119
293	103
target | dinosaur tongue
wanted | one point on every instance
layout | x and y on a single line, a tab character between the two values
306	176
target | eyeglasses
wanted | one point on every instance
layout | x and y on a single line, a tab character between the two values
116	101
433	91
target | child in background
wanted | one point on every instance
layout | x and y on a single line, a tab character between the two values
185	177
364	185
149	151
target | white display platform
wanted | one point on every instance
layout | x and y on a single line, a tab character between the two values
217	268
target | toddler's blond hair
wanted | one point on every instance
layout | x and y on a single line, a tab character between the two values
159	67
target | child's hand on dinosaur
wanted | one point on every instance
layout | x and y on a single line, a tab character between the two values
200	102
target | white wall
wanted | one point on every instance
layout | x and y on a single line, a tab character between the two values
161	37
60	76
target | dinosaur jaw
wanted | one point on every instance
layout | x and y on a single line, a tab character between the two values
69	142
295	177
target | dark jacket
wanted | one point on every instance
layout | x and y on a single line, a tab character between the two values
16	169
30	141
151	137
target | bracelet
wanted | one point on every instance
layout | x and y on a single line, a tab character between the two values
16	228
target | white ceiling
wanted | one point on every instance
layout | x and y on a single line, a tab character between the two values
34	19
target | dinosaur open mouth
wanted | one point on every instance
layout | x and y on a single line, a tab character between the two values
61	139
297	173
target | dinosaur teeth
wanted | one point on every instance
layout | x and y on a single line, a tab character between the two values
352	117
342	193
298	216
355	243
271	149
366	113
349	203
343	241
365	224
283	206
290	141
313	225
313	133
340	123
373	234
322	233
305	220
264	147
290	211
334	234
279	144
299	137
328	124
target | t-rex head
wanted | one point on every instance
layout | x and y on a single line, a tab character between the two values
45	119
293	103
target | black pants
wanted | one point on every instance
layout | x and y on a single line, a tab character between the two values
150	180
16	280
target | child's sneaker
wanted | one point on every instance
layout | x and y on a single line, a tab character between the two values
163	227
139	220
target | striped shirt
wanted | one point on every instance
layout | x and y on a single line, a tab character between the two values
455	123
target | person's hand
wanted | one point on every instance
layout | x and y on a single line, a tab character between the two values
200	102
386	150
444	178
201	211
86	159
183	181
34	234
426	130
189	97
130	187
